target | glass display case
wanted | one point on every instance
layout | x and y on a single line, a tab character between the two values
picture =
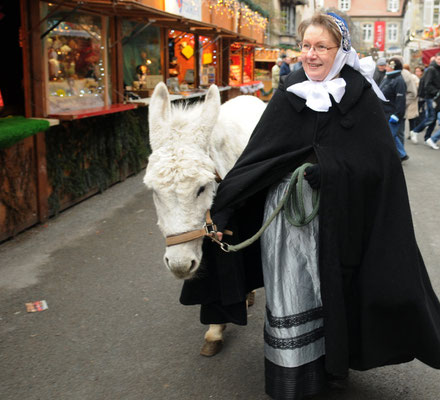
142	59
182	65
75	46
236	64
207	60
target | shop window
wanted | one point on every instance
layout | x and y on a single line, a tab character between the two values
367	32
344	5
241	64
75	48
235	73
142	60
182	61
207	60
392	32
248	59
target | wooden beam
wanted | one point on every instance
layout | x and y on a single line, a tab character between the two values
165	55
24	43
116	60
196	60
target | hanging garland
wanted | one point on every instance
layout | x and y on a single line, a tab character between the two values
268	93
94	153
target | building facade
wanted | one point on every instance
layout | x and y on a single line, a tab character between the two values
377	24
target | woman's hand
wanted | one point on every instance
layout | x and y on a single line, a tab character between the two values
313	176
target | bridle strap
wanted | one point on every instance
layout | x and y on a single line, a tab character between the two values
209	229
185	237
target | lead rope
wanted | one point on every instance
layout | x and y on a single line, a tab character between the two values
293	205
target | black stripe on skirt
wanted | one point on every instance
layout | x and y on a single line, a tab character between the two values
283	383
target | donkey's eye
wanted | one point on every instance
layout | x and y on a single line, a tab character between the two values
201	190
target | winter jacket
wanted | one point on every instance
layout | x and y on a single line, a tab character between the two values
275	76
412	110
394	89
285	69
431	81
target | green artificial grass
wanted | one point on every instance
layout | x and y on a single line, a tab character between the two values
14	129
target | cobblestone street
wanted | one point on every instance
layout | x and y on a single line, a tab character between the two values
114	329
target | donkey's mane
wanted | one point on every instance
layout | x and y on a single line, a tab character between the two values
185	117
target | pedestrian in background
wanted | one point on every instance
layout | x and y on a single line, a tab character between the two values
394	89
418	71
379	72
285	66
297	65
432	141
412	109
348	290
431	86
276	73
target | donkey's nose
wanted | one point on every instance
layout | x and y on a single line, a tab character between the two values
181	269
193	266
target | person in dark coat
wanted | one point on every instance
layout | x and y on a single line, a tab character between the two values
431	87
354	291
285	66
394	89
379	72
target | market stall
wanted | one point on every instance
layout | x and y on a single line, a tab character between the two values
241	70
265	59
91	65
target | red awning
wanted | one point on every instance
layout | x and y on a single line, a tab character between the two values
428	53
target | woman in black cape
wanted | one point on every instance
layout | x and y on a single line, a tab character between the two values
349	290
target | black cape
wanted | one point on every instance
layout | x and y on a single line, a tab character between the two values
379	305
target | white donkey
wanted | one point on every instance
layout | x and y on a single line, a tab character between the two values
191	146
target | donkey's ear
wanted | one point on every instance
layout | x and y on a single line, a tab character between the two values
210	110
159	115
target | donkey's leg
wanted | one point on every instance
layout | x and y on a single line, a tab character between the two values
250	298
213	340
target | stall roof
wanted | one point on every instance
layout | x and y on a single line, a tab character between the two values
136	11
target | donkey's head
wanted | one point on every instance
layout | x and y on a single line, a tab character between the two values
181	173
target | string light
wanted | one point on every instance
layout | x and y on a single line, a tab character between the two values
235	9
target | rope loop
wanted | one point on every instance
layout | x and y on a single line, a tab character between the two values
292	204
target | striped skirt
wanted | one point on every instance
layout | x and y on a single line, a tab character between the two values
293	332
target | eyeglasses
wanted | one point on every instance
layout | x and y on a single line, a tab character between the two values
320	48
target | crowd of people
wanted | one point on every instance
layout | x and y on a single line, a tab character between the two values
412	96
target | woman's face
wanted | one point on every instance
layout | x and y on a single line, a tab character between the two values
318	65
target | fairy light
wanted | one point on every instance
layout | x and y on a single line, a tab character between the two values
235	9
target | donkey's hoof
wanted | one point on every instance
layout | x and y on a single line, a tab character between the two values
250	298
210	349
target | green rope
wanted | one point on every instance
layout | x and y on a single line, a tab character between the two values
264	93
292	204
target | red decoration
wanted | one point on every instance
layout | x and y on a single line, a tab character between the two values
379	35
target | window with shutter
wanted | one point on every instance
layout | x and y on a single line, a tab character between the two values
428	13
392	32
393	5
436	12
367	32
344	5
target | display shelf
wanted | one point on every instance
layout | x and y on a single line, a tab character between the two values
93	112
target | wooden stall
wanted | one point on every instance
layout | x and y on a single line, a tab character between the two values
89	68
